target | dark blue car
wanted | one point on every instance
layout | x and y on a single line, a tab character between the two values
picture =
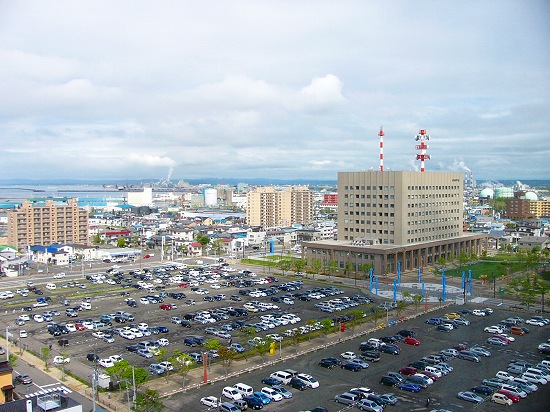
351	367
410	387
272	381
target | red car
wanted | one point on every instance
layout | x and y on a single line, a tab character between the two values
461	346
510	395
183	285
504	338
409	340
79	326
166	306
407	370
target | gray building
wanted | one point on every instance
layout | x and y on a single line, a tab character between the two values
388	217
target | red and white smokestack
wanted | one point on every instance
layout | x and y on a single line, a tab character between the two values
381	134
422	137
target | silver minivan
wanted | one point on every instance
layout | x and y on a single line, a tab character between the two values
346	398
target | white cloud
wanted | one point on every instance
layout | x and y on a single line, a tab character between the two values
262	89
150	161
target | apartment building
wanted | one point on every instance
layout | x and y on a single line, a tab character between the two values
521	208
46	223
397	216
270	207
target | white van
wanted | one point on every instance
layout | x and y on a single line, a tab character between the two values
231	393
285	377
545	363
86	305
437	372
536	379
51	286
244	389
375	342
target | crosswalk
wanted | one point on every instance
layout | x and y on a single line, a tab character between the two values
57	388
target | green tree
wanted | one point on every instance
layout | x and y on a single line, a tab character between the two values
407	295
327	326
401	306
417	299
316	266
463	259
119	371
45	355
203	240
13	360
298	265
284	265
332	267
96	239
162	354
149	401
217	247
121	242
227	356
182	364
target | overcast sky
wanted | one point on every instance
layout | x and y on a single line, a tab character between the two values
280	89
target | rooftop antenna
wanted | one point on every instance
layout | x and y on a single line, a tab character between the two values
381	134
422	137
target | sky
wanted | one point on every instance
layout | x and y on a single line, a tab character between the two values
272	89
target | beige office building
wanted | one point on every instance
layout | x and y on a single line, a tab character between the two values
46	224
275	207
390	217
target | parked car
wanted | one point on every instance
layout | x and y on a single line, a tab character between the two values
469	396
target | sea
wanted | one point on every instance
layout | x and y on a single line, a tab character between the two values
18	192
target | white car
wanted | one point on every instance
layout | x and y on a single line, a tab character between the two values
493	329
272	394
308	380
143	326
479	312
25	317
534	322
126	334
137	333
59	275
23	334
163	342
210	401
38	318
544	345
106	363
230	392
116	358
167	365
58	360
144	301
98	334
348	355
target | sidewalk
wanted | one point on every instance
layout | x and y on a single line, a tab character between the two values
102	399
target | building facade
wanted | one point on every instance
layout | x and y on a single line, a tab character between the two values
270	207
521	208
47	223
387	218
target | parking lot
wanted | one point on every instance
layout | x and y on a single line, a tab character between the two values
107	299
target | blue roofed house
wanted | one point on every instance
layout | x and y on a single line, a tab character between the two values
55	254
